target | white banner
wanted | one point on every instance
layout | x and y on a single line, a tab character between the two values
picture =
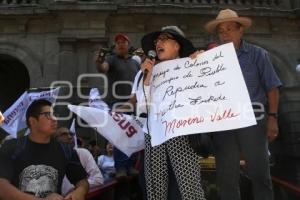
119	129
15	116
206	94
73	131
96	101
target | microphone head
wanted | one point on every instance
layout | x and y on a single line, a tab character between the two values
151	54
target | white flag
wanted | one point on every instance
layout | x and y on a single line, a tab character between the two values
15	116
96	101
123	131
73	131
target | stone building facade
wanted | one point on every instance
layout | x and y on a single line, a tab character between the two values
42	41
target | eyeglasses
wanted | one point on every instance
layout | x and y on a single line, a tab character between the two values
48	115
163	38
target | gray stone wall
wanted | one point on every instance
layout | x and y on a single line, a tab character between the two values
61	45
56	40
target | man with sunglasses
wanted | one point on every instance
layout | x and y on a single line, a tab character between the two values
33	167
95	177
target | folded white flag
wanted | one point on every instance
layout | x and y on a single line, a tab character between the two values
15	119
74	134
123	131
13	115
96	101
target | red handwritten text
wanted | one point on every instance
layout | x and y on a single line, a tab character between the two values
177	124
123	123
226	114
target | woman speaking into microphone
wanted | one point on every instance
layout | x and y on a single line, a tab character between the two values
175	154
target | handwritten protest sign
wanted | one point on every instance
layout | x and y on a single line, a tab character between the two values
206	94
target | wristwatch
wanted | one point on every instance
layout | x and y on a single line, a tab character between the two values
273	115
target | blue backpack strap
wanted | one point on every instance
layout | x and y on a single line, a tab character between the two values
20	146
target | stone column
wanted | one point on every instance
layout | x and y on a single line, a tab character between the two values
68	61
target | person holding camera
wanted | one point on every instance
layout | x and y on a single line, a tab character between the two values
120	70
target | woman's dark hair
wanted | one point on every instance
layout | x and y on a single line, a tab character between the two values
35	108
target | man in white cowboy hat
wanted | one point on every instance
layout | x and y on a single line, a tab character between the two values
251	142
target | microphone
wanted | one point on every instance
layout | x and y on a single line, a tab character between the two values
151	55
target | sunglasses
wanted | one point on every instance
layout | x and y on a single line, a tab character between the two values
163	38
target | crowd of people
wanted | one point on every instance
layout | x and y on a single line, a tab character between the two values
46	164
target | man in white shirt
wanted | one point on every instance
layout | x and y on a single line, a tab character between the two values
106	163
95	177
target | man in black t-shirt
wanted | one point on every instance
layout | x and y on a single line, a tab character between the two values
32	167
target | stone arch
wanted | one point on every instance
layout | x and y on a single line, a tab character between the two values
25	56
14	80
20	70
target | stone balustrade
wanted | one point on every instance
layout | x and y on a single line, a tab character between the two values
19	2
215	2
286	4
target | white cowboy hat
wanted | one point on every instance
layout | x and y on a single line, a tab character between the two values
227	15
